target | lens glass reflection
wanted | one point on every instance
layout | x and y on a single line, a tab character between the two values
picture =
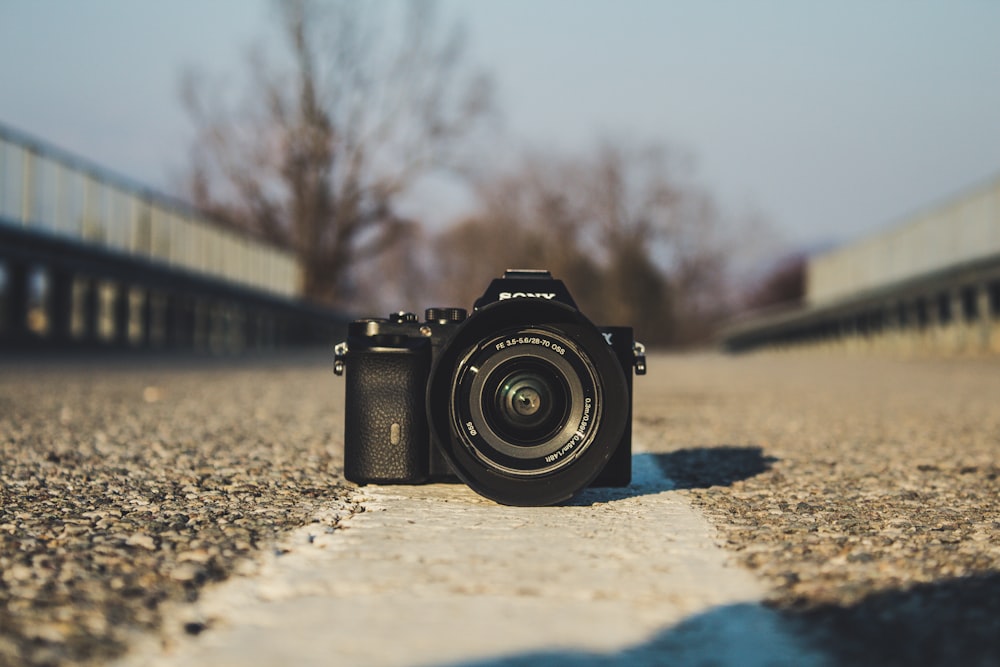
528	403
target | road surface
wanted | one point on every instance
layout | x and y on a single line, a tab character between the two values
840	510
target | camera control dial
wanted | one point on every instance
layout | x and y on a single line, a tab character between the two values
445	314
402	317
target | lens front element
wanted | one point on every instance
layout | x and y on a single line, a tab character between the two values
525	407
526	402
527	414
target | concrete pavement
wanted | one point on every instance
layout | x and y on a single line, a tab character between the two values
436	575
857	497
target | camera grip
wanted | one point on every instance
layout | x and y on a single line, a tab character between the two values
386	433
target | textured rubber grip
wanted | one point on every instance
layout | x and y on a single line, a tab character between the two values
385	431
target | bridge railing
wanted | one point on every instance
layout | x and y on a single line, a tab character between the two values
89	258
50	191
963	229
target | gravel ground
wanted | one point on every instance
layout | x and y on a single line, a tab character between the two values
123	487
866	491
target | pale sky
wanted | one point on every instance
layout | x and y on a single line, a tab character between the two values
830	119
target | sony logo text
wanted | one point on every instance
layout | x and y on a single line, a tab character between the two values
521	295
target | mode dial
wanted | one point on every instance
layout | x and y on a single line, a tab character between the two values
445	314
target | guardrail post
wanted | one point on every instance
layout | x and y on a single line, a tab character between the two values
190	321
985	316
91	309
889	338
16	301
216	327
264	334
183	321
281	332
260	330
172	320
254	327
61	306
236	337
135	301
912	329
934	323
848	329
121	314
958	321
146	318
157	319
200	326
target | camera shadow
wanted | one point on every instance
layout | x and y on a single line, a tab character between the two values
705	467
691	468
948	622
939	624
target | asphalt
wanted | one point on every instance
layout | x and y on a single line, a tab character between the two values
860	494
125	485
436	575
865	491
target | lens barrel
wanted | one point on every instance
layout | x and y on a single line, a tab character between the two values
529	413
526	439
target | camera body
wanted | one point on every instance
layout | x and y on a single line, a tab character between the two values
525	399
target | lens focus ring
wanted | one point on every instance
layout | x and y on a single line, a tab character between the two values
526	403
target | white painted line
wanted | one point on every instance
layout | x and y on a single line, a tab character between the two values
436	575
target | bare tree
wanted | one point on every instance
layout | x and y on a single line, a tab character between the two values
633	237
784	285
318	155
661	239
526	218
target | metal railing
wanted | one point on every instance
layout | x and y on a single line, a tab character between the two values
929	284
88	259
963	229
50	191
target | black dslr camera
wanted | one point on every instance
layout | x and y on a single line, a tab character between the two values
525	399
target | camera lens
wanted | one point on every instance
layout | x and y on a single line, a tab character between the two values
527	414
527	401
529	404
